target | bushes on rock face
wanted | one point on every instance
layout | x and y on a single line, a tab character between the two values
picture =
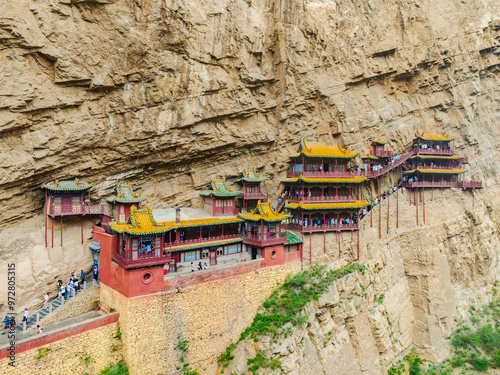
118	368
284	308
287	302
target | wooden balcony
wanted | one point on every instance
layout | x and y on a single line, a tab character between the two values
324	228
76	209
143	260
199	240
327	174
470	184
323	199
260	196
439	167
382	153
263	242
433	151
436	184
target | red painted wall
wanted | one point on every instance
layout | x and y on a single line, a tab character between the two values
130	283
271	260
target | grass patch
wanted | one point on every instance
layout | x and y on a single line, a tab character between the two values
42	352
119	368
287	302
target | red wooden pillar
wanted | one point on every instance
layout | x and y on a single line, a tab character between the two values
397	208
380	220
52	221
416	203
61	231
46	206
324	242
388	205
340	240
310	248
81	227
423	203
371	214
358	243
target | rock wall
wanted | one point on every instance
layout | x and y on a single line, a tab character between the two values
419	278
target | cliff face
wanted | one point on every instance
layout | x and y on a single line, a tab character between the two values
169	94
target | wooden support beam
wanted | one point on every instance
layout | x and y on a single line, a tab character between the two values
416	205
81	227
46	206
388	205
52	220
61	231
423	203
310	249
358	243
380	220
397	208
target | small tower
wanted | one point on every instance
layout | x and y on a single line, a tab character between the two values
123	200
66	198
220	201
379	150
253	189
263	233
435	164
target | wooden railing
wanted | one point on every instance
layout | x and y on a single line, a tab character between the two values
441	167
260	196
386	168
451	184
327	174
431	151
266	240
470	184
323	199
143	260
382	153
198	240
76	209
324	227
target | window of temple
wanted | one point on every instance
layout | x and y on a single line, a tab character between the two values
190	256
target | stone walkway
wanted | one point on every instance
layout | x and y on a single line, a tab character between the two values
44	311
4	340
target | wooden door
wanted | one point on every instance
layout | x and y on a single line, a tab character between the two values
213	257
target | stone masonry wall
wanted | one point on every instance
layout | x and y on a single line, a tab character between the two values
80	304
66	356
209	316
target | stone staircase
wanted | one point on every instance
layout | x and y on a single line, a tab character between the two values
53	305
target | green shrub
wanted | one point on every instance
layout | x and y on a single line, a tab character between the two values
119	368
490	338
480	364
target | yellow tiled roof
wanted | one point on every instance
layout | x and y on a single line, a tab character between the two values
369	156
434	137
319	149
263	211
380	142
142	222
328	206
335	180
452	157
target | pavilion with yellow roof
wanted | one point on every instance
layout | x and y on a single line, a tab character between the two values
321	192
252	188
434	162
